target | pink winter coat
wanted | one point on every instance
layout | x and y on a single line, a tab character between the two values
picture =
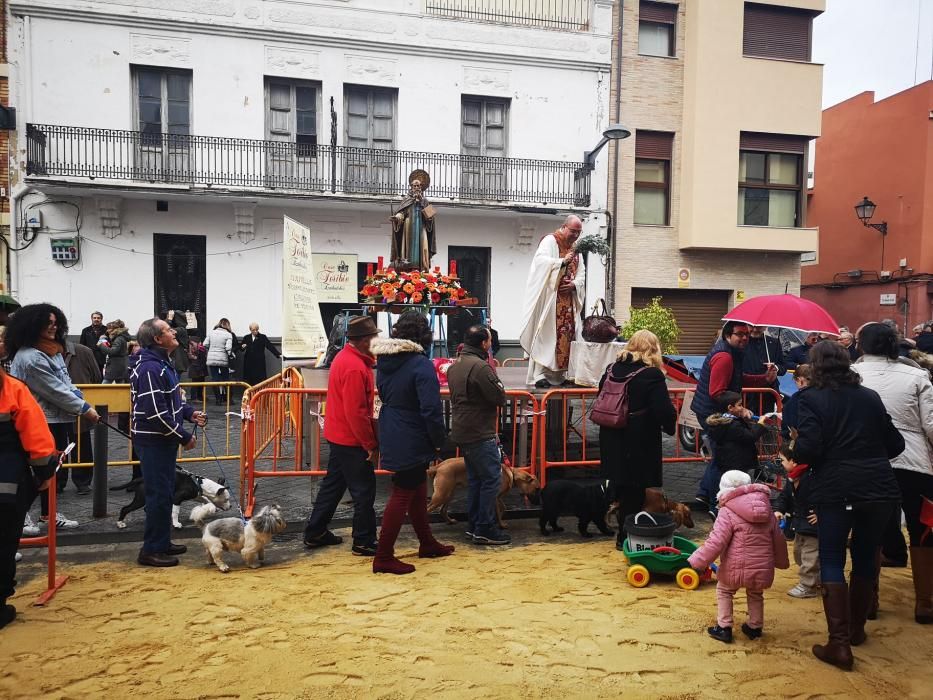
747	538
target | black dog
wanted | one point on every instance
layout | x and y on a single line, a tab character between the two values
188	487
589	502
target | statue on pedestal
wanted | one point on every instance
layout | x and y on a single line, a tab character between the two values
413	240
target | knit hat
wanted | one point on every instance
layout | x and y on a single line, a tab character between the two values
730	481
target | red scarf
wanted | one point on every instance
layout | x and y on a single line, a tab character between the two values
798	471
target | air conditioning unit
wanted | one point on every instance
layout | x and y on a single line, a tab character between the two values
885	274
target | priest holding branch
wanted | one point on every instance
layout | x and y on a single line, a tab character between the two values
553	302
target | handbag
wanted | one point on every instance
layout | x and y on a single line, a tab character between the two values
600	327
611	407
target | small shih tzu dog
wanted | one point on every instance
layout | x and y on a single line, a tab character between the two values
249	539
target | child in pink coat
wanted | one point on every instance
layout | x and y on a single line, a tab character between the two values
750	544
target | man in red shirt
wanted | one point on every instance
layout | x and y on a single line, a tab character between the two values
354	449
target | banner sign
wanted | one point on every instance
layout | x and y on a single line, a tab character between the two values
336	278
302	328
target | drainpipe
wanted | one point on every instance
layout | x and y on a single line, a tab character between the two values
611	205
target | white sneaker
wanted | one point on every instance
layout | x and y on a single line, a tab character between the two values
62	522
801	591
18	557
30	529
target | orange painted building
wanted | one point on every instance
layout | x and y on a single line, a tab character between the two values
882	150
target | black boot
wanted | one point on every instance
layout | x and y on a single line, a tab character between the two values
921	565
723	634
836	651
7	614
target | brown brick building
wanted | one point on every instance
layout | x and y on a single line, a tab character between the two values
709	193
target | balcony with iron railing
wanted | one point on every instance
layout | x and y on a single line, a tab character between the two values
564	15
115	156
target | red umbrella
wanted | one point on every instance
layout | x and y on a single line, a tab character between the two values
784	311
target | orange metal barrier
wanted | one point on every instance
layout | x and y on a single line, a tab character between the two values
275	444
48	540
569	439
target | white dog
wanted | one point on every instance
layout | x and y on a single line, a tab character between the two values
249	539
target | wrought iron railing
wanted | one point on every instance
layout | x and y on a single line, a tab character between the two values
115	154
567	15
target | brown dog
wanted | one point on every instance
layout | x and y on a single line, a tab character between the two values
452	473
657	502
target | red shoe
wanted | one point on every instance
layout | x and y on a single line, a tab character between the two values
434	549
391	565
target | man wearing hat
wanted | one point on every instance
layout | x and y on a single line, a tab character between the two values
354	450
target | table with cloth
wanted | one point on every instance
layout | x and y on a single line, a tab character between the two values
588	361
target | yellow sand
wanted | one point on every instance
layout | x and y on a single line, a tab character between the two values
543	619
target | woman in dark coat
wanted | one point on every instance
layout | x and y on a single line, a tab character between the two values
848	439
630	458
254	346
411	431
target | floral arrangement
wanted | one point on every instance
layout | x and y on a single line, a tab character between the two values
427	288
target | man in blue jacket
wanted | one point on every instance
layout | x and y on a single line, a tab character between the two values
158	430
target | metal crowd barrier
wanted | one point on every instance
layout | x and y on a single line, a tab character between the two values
276	443
49	540
569	439
509	361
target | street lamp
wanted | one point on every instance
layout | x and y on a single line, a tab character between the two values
864	210
615	132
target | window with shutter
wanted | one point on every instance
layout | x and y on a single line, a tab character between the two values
163	116
656	25
773	31
483	145
370	133
653	154
771	179
291	130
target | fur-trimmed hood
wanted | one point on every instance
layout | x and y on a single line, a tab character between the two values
394	346
720	419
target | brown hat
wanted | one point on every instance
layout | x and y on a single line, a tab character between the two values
361	327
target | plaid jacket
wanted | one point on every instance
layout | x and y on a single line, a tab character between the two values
158	408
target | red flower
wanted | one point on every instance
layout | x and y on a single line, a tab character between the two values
435	297
419	286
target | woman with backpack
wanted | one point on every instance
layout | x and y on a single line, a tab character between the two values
630	457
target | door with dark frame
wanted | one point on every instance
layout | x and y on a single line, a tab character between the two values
473	270
180	266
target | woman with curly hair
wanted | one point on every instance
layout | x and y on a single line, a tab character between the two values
35	340
411	431
848	440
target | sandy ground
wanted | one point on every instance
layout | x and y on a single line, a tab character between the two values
537	619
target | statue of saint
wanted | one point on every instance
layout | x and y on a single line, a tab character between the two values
413	240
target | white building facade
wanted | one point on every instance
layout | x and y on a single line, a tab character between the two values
168	138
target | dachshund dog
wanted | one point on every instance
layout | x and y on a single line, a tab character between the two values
590	503
452	473
249	539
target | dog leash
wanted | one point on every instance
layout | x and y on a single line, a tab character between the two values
115	429
207	439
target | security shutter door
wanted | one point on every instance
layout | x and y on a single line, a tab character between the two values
772	31
698	312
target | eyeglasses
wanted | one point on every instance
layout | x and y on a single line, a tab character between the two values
740	335
575	230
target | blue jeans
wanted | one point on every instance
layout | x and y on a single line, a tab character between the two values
347	468
158	466
484	476
866	522
709	483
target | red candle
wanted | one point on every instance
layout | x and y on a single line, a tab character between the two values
369	269
380	264
453	268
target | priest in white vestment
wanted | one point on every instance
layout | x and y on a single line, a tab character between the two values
553	301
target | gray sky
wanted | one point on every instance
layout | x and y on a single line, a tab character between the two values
873	45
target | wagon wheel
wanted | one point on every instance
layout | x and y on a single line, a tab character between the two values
688	579
638	576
